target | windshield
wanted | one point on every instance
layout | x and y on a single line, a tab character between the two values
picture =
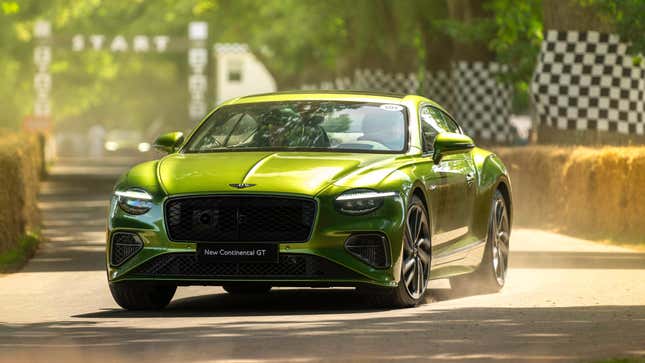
308	125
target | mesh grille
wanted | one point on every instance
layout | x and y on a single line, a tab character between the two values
371	248
289	266
124	246
240	219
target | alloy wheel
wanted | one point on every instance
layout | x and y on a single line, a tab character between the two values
500	237
416	252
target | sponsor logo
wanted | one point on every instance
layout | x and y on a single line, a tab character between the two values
390	107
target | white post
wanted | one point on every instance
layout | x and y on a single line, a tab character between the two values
42	78
197	60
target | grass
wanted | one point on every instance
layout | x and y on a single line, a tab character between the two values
16	257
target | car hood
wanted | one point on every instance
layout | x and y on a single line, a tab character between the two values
284	172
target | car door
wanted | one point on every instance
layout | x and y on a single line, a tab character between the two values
466	168
450	183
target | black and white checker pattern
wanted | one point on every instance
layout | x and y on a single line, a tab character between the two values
471	92
483	102
587	81
378	80
439	86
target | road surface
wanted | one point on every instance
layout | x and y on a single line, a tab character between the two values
566	300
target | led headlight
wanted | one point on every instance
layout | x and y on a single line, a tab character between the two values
134	201
361	201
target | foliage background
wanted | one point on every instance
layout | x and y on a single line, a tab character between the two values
299	41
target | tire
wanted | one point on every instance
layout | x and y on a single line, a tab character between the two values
490	275
240	289
138	296
415	264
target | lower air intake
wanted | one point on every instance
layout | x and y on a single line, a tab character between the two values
295	266
124	245
371	248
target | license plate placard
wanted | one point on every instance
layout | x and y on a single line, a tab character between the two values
237	253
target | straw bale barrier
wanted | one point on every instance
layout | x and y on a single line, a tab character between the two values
593	192
20	168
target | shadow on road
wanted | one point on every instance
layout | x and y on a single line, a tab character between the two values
278	302
73	202
541	334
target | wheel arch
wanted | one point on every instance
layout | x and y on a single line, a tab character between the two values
503	185
419	189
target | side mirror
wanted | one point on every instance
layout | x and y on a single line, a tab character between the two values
450	144
169	142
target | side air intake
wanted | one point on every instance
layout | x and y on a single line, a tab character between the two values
124	245
371	248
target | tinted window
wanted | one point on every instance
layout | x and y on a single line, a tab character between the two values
451	125
315	125
431	125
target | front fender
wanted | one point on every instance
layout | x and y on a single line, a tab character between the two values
143	176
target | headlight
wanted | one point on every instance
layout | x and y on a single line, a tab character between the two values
111	146
361	201
143	147
134	201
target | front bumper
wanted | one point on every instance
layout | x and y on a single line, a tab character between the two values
296	267
321	261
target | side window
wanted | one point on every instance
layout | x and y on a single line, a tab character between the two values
430	127
443	125
451	125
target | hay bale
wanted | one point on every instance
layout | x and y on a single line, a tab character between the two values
634	221
595	192
536	182
20	162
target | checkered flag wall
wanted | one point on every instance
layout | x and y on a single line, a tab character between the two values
587	81
482	102
439	87
472	92
380	81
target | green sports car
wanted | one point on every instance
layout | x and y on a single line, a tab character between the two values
377	191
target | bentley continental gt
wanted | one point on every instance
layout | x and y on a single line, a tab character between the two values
377	191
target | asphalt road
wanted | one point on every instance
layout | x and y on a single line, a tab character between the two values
566	300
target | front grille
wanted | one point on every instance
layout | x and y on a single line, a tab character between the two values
289	266
124	245
240	219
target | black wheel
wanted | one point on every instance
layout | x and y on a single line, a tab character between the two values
138	296
490	276
247	288
415	264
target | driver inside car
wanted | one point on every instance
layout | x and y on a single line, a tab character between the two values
384	130
285	128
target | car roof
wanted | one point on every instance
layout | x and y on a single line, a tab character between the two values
339	95
327	92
